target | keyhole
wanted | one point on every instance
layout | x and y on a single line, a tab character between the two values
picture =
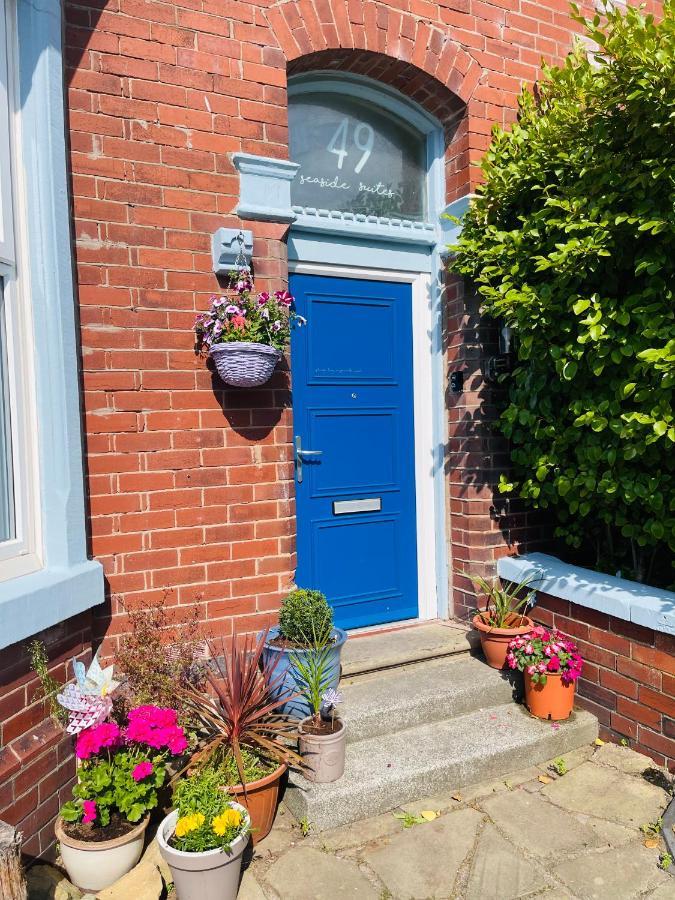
353	396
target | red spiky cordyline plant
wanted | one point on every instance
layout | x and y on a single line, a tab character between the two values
244	708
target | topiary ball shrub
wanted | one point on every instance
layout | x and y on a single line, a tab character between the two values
305	616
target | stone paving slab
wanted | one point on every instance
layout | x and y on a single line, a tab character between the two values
423	861
613	874
307	874
608	794
499	874
531	822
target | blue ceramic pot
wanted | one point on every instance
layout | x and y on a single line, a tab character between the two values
299	707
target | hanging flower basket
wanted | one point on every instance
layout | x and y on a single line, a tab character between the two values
245	331
244	363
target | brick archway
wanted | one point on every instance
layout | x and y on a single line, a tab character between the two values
414	56
304	27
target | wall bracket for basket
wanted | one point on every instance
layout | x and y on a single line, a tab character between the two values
229	247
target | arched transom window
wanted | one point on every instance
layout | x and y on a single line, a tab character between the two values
355	156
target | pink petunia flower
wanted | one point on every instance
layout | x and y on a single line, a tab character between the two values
142	770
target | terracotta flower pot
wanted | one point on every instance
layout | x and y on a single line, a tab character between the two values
495	641
323	754
95	865
212	875
261	801
553	700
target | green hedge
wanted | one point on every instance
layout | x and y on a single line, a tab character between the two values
571	240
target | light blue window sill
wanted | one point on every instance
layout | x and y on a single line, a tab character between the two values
37	601
628	600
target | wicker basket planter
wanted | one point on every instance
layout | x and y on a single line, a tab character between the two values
245	364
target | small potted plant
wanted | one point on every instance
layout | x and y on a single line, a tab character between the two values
502	619
245	331
241	730
550	663
120	772
204	838
305	619
323	736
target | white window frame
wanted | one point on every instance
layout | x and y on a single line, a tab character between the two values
62	580
19	555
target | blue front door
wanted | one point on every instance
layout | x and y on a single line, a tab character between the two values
353	403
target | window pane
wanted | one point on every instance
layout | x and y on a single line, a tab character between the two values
355	158
7	520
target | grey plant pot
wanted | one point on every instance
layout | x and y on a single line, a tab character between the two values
323	755
213	875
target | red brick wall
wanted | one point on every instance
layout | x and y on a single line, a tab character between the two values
37	766
628	680
190	485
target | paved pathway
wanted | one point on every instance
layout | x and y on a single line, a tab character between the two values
534	834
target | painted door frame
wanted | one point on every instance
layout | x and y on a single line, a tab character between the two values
426	490
377	249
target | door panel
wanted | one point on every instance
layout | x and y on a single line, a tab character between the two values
353	401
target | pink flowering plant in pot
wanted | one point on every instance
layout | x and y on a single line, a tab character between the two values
120	772
551	665
122	769
245	331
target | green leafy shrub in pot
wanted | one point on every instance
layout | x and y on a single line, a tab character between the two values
305	613
570	242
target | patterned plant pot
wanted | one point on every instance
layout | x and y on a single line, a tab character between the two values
245	364
322	754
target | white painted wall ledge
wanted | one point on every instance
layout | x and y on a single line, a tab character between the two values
640	603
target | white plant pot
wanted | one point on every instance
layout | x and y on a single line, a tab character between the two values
212	875
95	865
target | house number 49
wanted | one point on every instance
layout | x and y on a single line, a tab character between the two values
364	138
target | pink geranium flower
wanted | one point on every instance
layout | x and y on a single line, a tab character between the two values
92	740
142	770
89	808
156	727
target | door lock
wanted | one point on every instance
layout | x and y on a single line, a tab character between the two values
301	455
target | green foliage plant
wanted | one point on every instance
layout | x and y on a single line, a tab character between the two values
559	766
571	241
305	615
503	602
313	669
49	686
207	820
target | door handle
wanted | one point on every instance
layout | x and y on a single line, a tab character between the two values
301	455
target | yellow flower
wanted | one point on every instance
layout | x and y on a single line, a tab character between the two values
228	819
188	823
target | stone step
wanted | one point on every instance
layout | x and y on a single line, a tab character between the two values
383	649
407	696
385	771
